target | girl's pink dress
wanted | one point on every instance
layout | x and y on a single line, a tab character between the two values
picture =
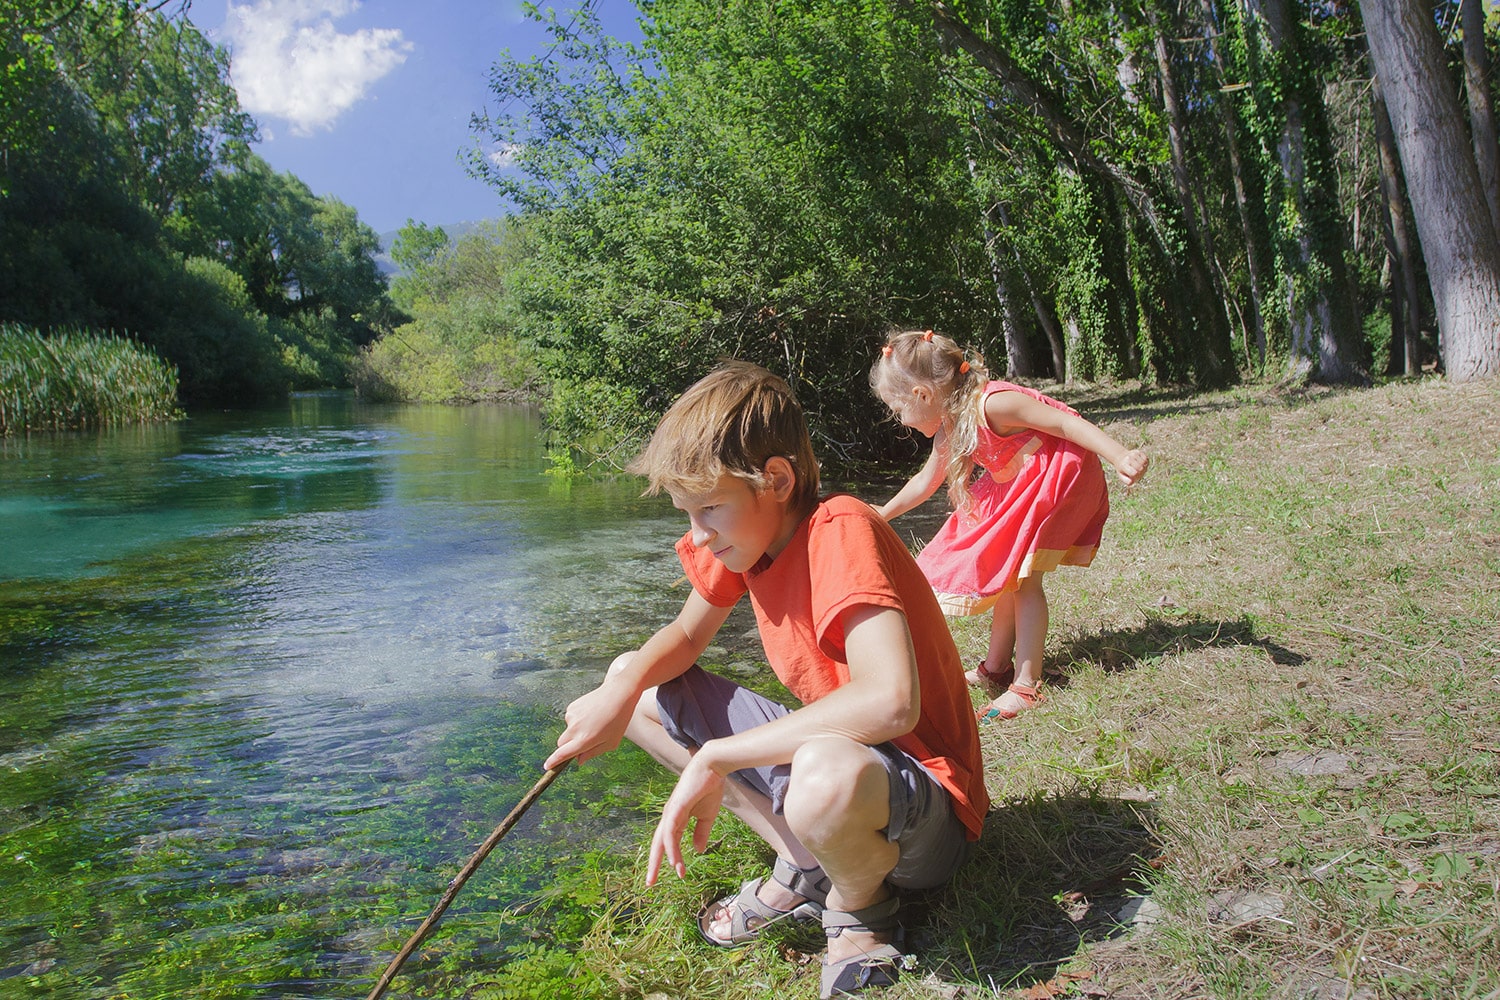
1040	503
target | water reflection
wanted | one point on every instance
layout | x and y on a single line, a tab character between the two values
265	676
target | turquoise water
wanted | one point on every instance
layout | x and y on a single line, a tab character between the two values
267	679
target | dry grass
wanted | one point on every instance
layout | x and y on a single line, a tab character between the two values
1280	684
1269	765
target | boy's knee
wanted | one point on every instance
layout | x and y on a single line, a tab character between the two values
829	777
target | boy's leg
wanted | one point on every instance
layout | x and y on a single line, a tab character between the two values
755	808
839	805
875	818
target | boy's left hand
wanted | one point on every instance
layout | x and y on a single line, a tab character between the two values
697	797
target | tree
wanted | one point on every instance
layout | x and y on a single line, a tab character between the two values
1479	89
1452	214
1289	119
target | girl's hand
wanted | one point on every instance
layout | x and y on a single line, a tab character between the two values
1132	466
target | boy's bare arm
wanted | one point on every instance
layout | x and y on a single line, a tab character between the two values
881	701
596	722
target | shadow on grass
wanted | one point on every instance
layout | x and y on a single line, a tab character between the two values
1145	403
1125	649
1048	875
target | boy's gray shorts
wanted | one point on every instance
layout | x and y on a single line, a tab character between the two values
699	706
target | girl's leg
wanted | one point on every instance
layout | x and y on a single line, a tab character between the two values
1031	621
1000	658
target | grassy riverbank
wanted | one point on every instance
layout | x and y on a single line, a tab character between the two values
78	379
1269	764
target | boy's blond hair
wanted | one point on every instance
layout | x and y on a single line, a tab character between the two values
732	421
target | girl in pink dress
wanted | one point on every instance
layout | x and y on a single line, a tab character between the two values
1040	502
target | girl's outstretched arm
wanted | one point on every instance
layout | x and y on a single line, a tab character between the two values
1009	412
923	485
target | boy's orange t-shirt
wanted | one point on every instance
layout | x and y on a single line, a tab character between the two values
844	555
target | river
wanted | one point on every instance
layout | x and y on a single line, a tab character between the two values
268	677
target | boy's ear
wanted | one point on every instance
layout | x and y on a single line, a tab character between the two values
781	478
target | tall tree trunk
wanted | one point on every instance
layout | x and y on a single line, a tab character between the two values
1018	361
1453	222
1406	307
1211	358
1251	213
1045	317
1321	308
1481	106
1214	298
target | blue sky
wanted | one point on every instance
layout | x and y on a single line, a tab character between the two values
370	102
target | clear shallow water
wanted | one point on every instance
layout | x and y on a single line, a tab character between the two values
267	679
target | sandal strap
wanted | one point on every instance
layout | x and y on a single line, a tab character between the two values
877	918
809	883
749	915
1029	693
995	675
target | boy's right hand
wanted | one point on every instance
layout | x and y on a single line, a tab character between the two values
595	723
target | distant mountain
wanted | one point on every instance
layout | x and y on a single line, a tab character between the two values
455	231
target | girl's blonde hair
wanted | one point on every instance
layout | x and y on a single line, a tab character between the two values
956	377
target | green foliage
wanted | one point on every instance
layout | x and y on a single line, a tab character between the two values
125	171
461	343
779	184
74	380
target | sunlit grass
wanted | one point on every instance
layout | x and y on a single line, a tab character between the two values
71	380
1269	765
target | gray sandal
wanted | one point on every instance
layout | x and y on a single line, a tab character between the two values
748	915
879	966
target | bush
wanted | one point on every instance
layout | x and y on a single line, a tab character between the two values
77	379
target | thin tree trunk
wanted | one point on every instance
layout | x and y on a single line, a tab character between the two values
1481	106
1213	297
1453	222
1252	219
1406	311
1044	315
1017	354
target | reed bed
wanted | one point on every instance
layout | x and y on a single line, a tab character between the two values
75	379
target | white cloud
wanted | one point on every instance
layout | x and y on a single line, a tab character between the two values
505	155
290	62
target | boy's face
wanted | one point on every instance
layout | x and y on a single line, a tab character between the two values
738	524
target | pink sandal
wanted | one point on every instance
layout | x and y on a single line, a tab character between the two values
982	677
1030	695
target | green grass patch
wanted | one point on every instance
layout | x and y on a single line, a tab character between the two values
72	380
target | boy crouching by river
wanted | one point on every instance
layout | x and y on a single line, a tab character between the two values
875	783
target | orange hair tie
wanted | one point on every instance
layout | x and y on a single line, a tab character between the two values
963	369
885	351
927	336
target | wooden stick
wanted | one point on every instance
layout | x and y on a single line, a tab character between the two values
463	876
